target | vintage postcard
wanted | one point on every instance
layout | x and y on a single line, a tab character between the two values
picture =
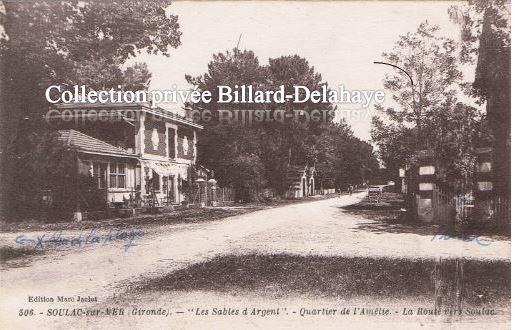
255	164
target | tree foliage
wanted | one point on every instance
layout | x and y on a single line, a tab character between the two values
77	42
274	145
428	114
66	42
486	35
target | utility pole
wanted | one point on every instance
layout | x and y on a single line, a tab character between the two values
410	196
418	112
239	39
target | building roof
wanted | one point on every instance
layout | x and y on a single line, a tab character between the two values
114	109
88	144
295	174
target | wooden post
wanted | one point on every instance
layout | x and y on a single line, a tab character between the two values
426	178
77	215
485	207
484	182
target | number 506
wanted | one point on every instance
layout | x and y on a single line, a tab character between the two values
26	312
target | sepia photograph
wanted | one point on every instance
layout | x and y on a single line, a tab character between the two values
255	164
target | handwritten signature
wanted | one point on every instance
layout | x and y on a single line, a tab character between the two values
441	235
92	237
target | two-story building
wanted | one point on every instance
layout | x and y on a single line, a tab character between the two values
131	149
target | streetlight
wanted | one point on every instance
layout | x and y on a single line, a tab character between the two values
410	195
419	114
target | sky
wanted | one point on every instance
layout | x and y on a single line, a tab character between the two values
340	39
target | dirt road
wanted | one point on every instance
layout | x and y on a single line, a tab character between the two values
315	228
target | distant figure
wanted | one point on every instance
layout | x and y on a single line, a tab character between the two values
351	189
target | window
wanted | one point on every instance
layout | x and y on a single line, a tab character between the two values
117	175
171	189
155	181
165	184
100	174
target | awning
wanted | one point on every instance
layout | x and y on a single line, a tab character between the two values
161	168
164	168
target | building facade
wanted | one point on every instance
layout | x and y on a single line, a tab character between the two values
131	150
301	181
